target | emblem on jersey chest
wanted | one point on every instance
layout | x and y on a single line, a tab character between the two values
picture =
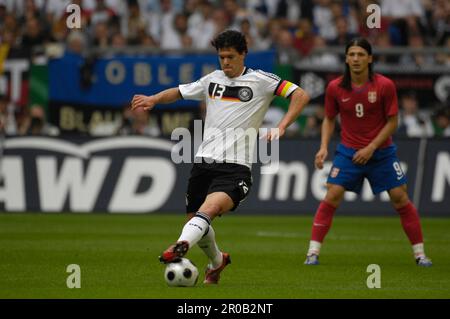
245	94
230	93
372	96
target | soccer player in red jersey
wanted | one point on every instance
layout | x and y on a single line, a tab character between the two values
368	108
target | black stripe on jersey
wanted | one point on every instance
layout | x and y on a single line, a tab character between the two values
241	93
269	75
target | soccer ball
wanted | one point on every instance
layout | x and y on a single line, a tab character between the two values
181	274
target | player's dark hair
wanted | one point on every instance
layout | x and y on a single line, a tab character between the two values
230	39
346	82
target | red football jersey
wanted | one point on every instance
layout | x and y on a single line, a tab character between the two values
364	111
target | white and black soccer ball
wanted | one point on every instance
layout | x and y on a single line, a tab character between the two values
181	274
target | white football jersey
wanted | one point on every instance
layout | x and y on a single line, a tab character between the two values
235	109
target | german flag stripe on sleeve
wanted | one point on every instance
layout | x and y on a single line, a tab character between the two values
283	88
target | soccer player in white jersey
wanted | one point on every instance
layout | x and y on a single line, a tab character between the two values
237	99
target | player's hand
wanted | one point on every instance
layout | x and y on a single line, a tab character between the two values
320	158
144	101
363	155
274	134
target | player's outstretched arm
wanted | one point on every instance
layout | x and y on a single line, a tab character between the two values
328	126
299	99
148	102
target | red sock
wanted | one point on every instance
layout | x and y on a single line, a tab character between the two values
411	223
322	221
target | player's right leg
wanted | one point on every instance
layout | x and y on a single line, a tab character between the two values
198	226
198	229
344	175
322	221
207	243
197	191
177	250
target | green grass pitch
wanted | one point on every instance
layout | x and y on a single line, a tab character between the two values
118	254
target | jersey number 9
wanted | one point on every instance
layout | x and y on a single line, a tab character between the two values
359	108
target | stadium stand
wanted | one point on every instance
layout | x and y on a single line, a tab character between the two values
413	39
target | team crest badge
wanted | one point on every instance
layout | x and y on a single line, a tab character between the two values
334	172
372	96
245	94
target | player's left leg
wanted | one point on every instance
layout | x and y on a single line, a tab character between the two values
209	246
216	204
234	181
410	222
385	174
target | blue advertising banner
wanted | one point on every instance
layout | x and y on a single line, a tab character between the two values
113	81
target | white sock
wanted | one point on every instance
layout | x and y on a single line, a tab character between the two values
194	229
314	248
209	246
418	250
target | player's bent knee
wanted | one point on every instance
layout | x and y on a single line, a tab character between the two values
334	195
211	209
399	197
399	200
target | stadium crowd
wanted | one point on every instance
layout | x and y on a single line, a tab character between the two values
293	28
